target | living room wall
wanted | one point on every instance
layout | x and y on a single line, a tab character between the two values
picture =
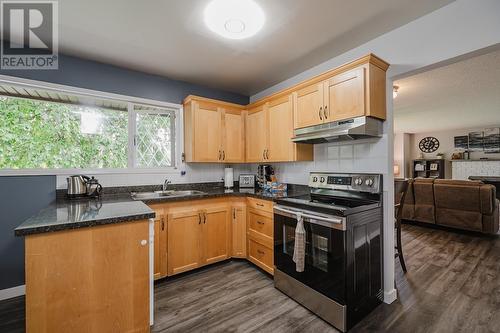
446	143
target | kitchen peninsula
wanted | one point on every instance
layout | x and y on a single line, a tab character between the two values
88	263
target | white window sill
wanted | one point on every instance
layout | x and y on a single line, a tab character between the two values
61	172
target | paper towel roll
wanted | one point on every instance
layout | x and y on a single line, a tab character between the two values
228	178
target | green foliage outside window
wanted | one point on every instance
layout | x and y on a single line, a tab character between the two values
37	134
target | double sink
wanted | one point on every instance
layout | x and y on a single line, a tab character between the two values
164	194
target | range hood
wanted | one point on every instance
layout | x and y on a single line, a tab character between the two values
337	131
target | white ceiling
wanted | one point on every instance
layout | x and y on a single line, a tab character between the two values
168	37
465	94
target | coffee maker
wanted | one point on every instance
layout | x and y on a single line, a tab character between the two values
264	173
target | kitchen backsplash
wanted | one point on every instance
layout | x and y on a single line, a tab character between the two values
364	156
359	156
195	173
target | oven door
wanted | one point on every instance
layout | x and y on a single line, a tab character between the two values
324	268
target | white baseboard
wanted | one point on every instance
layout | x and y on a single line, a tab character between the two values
12	292
390	296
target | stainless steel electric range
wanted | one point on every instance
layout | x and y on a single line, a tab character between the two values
342	278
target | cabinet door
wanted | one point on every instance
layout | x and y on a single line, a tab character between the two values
183	241
256	134
280	146
345	95
207	132
157	255
89	279
215	234
239	232
233	137
308	108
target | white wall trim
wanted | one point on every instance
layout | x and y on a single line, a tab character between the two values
390	296
86	92
12	292
179	130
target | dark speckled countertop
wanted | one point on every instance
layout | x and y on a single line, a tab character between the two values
116	206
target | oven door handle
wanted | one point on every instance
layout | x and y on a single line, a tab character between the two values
320	218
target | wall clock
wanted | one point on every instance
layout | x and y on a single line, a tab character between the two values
428	144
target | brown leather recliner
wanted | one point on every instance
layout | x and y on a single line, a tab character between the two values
462	204
468	205
423	192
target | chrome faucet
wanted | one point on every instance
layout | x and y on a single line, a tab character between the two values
165	184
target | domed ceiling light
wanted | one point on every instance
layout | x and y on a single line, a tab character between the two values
395	91
234	19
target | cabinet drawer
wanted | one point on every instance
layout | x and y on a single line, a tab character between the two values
260	204
260	223
261	256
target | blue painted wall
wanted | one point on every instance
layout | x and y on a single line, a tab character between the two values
93	75
20	198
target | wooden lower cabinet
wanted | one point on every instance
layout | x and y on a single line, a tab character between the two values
191	234
260	231
160	243
183	240
261	255
215	234
239	229
89	280
199	233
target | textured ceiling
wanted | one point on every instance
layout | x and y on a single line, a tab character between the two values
168	37
461	95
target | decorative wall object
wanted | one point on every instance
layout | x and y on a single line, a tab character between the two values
462	142
429	144
475	141
491	140
487	140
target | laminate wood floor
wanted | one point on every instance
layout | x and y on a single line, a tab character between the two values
452	285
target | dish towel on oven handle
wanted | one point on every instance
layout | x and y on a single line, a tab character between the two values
300	244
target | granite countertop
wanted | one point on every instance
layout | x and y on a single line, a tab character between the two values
66	214
116	205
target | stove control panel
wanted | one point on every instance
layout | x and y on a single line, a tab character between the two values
350	182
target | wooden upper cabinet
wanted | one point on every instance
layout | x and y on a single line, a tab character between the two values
345	95
206	132
216	131
233	138
216	234
256	134
213	131
353	90
280	147
308	102
184	246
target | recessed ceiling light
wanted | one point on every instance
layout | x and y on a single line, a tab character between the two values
234	19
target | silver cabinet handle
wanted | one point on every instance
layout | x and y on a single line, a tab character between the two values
144	242
320	218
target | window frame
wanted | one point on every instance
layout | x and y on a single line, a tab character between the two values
175	109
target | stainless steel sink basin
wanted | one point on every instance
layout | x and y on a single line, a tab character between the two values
163	194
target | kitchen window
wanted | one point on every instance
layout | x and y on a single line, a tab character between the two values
45	129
